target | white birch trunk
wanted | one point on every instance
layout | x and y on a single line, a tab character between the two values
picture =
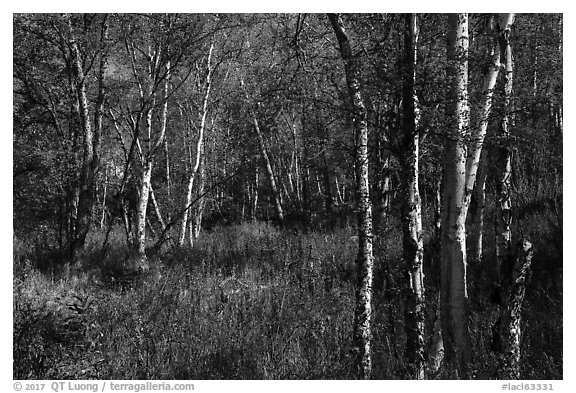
504	161
149	157
86	184
476	165
476	145
140	239
454	295
413	245
255	193
198	154
478	218
102	220
365	259
157	209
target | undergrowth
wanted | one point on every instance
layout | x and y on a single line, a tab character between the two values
250	301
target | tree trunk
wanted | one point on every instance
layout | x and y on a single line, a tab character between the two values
383	187
86	184
436	350
140	238
476	165
296	178
254	207
454	295
198	155
99	108
196	221
168	178
477	141
148	161
504	159
264	152
477	230
157	208
365	259
507	331
103	219
413	246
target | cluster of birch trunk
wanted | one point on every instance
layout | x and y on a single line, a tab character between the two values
462	160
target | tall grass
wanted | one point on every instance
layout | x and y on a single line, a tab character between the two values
250	301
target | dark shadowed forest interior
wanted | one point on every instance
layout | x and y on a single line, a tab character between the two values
287	196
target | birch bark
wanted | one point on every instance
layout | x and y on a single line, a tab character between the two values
365	260
454	294
504	156
86	187
198	154
413	245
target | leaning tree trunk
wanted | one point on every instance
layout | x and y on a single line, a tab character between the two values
86	184
157	209
413	245
365	259
454	295
264	152
476	164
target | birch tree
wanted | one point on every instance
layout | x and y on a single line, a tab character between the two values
265	155
198	154
86	182
413	244
461	163
513	265
454	294
365	259
154	75
478	157
504	159
507	331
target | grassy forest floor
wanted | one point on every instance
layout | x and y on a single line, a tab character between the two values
252	301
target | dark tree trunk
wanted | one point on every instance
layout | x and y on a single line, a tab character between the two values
507	332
